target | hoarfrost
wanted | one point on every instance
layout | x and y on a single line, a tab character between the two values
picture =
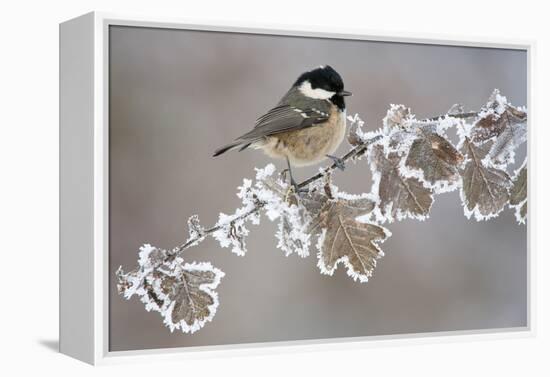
518	193
410	160
280	203
484	189
183	293
398	197
433	160
344	239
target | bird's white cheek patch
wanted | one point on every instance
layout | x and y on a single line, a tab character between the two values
316	93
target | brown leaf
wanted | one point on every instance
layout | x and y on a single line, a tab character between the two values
399	196
191	303
354	138
493	123
344	239
435	157
503	150
397	116
518	194
183	293
484	189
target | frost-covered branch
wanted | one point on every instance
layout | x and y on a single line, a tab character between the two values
411	162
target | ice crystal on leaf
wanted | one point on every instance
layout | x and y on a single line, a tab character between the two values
183	293
495	117
398	116
356	133
484	191
518	193
399	197
232	232
342	238
503	124
503	150
411	161
196	231
434	160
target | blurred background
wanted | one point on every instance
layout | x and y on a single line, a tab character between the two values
176	95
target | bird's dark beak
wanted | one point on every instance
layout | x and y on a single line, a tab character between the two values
345	93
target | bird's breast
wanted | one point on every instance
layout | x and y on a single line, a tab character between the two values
310	145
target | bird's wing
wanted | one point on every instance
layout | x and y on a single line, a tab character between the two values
285	117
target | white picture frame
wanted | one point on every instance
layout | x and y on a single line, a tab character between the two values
84	157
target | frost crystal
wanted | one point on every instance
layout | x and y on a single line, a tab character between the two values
411	162
503	123
196	231
356	135
344	239
398	116
433	160
281	204
231	230
183	293
518	193
398	197
484	191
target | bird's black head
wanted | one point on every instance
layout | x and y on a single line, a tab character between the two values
323	83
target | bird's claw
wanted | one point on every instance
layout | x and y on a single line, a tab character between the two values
338	162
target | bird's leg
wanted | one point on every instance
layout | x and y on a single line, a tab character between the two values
283	173
292	181
340	164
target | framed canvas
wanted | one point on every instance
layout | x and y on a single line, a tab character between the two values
223	191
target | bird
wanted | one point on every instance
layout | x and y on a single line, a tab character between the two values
306	126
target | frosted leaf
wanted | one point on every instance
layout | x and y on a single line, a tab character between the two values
484	191
291	239
518	193
194	226
183	293
231	230
398	116
503	151
232	233
188	295
292	231
196	231
398	141
399	197
433	160
280	204
356	135
343	239
495	117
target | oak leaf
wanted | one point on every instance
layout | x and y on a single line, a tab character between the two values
399	196
183	293
343	239
435	158
518	194
484	191
495	117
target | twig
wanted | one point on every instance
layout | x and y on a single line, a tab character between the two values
176	251
471	114
355	151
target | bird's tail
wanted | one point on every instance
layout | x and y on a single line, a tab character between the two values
237	144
